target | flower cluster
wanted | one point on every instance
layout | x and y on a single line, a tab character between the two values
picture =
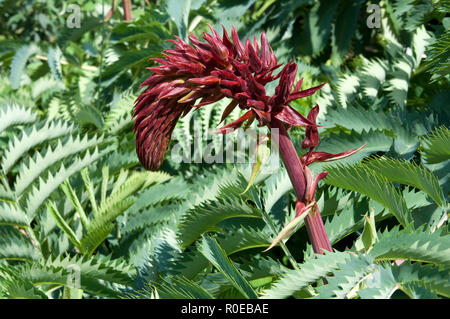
192	76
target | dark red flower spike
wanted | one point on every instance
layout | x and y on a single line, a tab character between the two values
190	76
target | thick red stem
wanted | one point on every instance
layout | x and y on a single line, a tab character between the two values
290	158
127	15
314	223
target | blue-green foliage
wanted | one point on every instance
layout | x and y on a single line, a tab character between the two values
74	197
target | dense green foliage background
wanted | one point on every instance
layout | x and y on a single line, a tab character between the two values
79	217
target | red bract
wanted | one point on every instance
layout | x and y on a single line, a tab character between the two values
194	75
311	140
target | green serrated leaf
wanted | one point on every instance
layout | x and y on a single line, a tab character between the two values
310	272
18	64
400	171
420	245
361	179
436	144
215	254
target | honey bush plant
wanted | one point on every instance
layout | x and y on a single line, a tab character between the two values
81	118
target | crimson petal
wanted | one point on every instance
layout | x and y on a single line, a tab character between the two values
327	157
240	50
312	134
230	127
304	93
230	107
291	116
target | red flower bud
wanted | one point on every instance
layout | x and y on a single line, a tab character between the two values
312	134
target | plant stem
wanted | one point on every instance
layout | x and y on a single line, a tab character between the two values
127	16
314	223
290	158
